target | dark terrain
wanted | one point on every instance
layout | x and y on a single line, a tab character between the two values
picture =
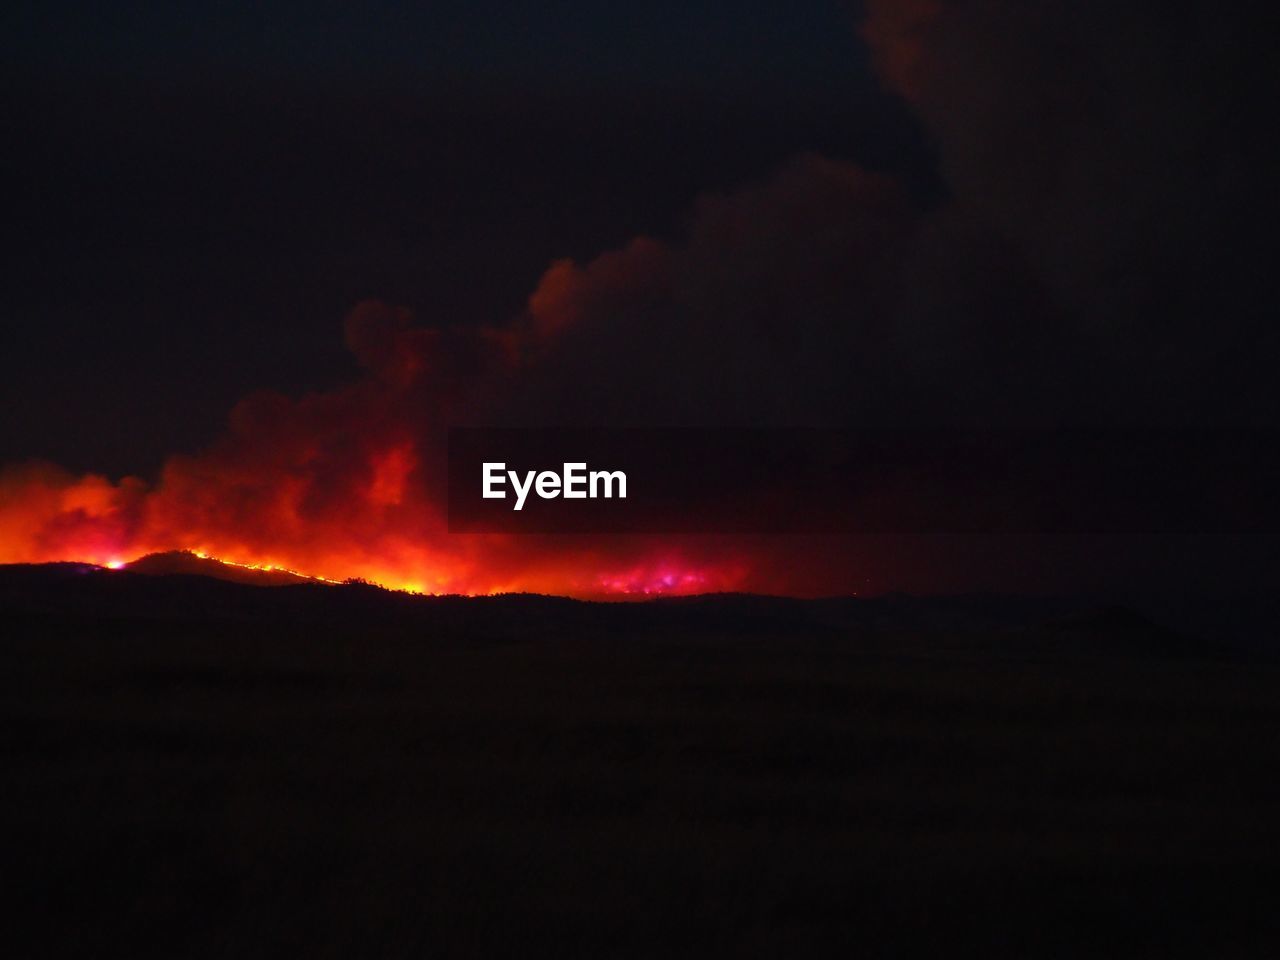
198	768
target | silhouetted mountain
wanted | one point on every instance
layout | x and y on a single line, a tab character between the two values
185	562
173	587
201	768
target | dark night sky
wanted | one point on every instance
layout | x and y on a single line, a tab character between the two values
196	196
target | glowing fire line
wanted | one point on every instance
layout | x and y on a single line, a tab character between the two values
636	584
317	578
269	568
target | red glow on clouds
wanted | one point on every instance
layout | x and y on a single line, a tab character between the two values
350	482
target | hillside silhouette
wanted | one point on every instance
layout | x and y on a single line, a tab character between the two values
202	768
190	564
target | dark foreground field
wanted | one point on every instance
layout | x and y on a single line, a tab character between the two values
203	769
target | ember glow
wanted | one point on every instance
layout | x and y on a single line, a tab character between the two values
669	578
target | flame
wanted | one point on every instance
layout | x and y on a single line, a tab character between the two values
348	484
265	567
376	521
667	578
371	514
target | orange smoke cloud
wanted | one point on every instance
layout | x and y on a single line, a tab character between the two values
1055	268
350	483
340	485
47	513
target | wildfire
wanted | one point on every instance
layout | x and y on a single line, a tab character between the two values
265	567
347	485
374	521
654	581
664	579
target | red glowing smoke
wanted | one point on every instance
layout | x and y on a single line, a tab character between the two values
350	483
1078	178
339	485
346	484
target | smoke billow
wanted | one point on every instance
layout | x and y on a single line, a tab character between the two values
1091	262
